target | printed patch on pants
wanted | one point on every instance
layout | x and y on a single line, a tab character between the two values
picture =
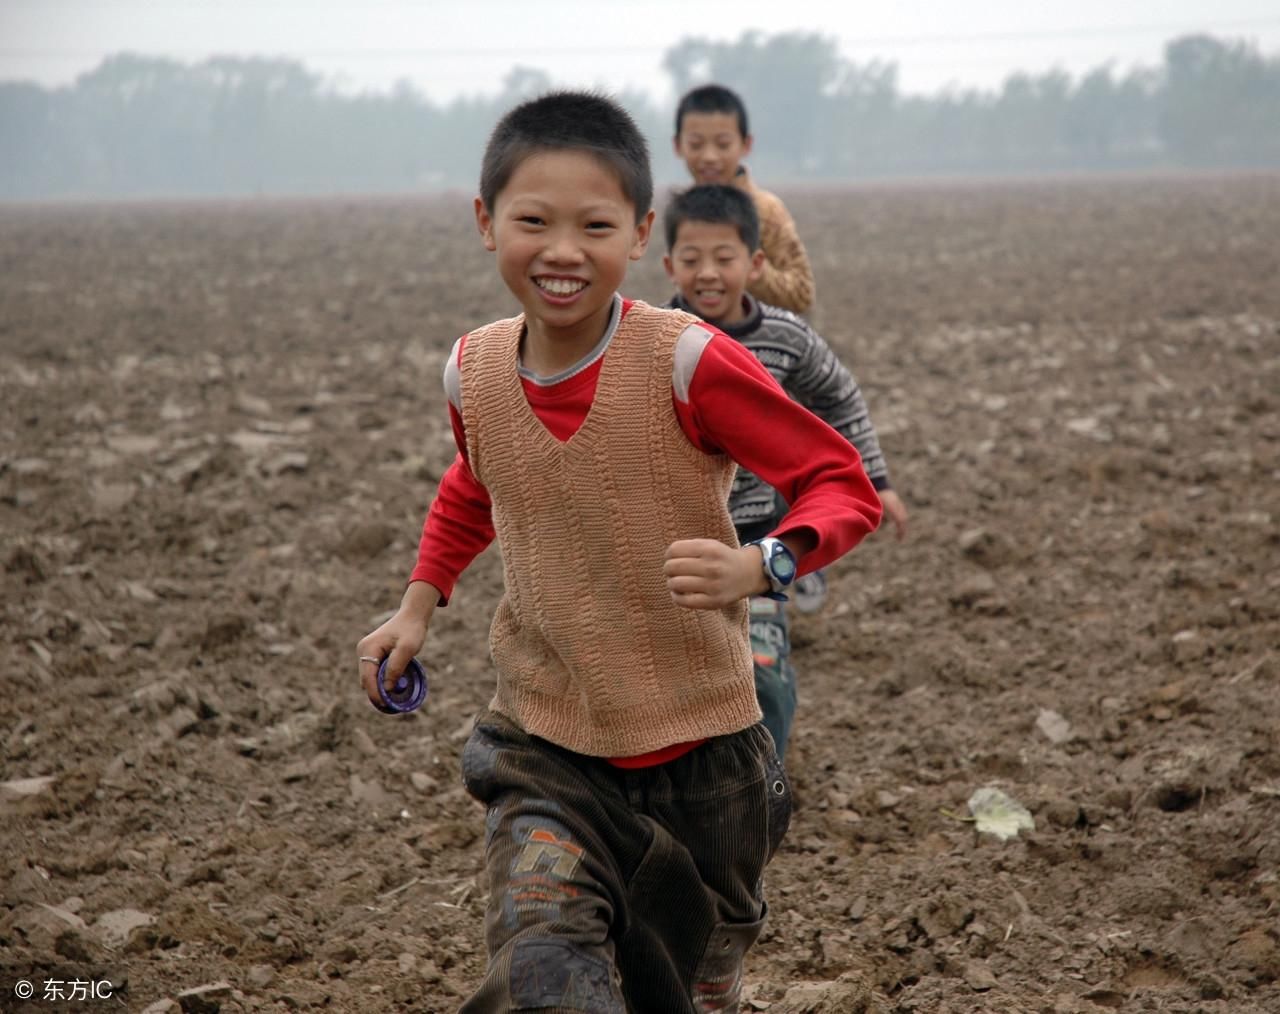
761	606
542	873
555	973
543	851
766	634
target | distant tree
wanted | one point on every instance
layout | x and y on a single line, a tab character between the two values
33	159
523	83
864	123
140	125
1091	120
1221	102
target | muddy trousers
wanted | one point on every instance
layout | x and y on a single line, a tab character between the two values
622	892
771	659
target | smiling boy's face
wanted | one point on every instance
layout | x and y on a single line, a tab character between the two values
712	266
712	146
564	231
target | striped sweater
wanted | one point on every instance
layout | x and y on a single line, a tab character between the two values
806	368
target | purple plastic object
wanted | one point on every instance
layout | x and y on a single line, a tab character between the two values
407	693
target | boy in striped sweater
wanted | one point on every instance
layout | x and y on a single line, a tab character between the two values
633	797
713	253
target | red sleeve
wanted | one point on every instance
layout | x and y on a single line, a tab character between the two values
459	525
735	407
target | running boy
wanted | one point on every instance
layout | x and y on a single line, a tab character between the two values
633	797
712	139
713	252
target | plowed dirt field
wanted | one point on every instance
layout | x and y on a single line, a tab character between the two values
220	427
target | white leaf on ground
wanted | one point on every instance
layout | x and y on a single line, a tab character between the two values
115	926
19	788
1054	726
1091	427
999	814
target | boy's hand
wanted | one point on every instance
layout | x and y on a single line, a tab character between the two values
397	640
896	511
706	574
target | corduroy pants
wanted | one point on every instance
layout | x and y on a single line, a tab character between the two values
618	891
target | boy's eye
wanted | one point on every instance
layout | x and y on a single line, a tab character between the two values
530	220
599	226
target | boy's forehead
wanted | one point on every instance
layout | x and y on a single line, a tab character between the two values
709	123
692	232
562	171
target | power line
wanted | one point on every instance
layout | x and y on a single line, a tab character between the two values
1061	33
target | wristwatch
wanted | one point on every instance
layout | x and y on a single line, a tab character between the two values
779	567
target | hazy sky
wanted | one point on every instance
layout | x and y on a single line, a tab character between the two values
466	46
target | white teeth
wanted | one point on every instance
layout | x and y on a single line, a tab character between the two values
561	286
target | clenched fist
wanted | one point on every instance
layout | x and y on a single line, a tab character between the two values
706	574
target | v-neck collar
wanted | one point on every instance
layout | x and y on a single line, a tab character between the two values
597	350
601	401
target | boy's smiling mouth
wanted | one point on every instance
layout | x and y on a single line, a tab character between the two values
560	287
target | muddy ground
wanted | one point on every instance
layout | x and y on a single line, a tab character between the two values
220	426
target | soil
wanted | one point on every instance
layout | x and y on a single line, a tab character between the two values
221	424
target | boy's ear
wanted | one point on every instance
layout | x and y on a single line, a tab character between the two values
484	223
747	142
644	229
757	265
668	266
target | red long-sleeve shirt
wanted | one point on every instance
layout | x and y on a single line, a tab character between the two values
730	405
734	407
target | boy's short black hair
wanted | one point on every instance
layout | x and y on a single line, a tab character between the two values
718	205
712	98
570	121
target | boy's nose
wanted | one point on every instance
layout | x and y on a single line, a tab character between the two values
564	249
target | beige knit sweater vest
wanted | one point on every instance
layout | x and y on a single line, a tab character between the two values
591	652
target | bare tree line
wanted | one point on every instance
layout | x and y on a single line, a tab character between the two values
145	126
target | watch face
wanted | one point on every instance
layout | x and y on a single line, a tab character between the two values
783	567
